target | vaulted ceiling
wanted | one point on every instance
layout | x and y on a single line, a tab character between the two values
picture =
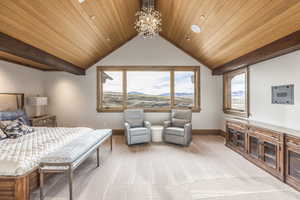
231	28
83	33
80	33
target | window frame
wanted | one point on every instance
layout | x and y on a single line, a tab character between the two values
171	69
227	77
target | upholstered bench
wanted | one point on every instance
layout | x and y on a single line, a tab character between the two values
70	156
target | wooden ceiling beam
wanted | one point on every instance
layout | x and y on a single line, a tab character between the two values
277	48
16	47
19	63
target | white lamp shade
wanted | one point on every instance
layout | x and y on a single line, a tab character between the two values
38	101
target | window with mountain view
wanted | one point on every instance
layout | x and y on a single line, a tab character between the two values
236	93
184	89
148	89
161	89
112	85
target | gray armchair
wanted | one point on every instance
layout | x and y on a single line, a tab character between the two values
179	129
136	129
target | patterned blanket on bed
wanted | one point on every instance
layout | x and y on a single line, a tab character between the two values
21	155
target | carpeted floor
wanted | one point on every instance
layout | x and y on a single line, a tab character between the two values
206	170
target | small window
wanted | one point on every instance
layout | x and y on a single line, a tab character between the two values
236	92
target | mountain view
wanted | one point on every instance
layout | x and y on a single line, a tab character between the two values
139	99
238	93
178	94
149	89
238	99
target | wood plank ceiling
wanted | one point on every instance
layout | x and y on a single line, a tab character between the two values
80	33
230	28
84	33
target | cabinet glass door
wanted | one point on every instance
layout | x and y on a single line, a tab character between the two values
270	154
254	146
240	140
236	138
294	164
232	136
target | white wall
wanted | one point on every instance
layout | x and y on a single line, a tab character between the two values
278	71
19	79
73	98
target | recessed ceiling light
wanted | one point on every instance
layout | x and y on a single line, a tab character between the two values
81	1
202	17
195	28
93	17
187	38
108	39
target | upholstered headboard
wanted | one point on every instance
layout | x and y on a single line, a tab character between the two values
11	101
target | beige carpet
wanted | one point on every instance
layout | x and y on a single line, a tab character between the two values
207	170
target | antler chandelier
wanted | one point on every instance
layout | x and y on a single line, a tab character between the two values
148	22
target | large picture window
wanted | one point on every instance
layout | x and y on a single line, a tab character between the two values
148	89
236	92
156	89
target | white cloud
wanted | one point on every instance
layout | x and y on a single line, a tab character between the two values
149	82
114	85
238	83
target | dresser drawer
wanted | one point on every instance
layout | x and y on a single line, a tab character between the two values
236	126
265	133
293	142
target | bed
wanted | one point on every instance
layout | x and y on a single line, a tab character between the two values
19	158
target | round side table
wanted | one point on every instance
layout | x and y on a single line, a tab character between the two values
157	133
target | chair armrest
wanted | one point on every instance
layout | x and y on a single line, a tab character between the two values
188	133
167	124
188	129
147	124
188	125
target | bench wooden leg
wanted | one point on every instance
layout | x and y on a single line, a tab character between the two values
98	157
71	182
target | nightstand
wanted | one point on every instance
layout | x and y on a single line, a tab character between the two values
44	121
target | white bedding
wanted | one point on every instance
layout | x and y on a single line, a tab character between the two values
20	156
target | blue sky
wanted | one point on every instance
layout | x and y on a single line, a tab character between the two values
150	82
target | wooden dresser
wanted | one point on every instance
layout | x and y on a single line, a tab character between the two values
292	161
272	148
